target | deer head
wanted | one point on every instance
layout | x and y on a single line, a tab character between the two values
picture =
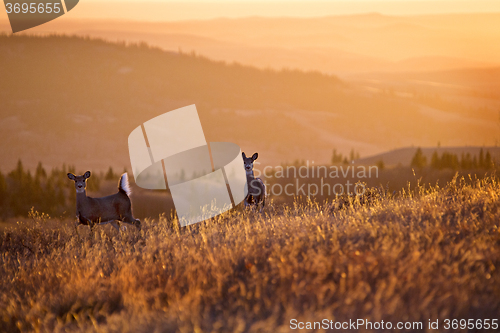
248	161
80	181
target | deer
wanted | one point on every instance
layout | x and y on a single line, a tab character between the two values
109	209
256	195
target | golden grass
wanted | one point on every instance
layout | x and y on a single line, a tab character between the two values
429	254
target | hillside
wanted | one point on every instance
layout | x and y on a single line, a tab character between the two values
403	156
330	44
466	82
432	254
75	100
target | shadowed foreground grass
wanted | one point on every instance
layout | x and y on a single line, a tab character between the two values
432	254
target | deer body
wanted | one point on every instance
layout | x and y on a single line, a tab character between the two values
116	207
256	188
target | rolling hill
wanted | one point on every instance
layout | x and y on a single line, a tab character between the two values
403	156
330	44
75	100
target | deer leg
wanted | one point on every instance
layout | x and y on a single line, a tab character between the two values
131	220
260	204
77	222
137	224
89	223
92	229
115	225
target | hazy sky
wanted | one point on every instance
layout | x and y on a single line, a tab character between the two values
169	10
288	0
175	10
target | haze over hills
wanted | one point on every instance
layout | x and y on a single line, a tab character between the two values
175	10
74	100
333	44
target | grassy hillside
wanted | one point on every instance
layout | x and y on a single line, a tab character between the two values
430	254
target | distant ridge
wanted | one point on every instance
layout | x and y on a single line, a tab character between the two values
60	91
403	156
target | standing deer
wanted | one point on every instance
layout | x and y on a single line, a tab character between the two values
256	187
109	209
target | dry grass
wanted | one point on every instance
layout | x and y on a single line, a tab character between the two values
423	255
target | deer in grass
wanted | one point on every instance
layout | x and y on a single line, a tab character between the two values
256	188
109	209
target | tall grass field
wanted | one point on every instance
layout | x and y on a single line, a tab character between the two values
426	255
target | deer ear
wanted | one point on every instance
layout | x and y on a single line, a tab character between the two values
254	156
86	174
243	154
71	176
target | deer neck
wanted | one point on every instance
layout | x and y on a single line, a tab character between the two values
81	198
250	176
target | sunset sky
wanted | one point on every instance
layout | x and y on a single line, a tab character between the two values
168	10
207	9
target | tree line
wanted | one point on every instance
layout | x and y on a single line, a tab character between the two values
338	158
452	161
48	192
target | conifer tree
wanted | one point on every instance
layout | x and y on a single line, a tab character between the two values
481	159
40	172
336	157
488	161
435	161
419	160
110	175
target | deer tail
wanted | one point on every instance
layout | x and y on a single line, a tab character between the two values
124	186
